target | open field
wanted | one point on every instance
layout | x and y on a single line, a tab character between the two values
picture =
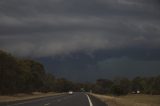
131	100
19	97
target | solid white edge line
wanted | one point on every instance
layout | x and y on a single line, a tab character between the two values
90	102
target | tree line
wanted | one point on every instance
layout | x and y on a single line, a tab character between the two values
123	86
27	76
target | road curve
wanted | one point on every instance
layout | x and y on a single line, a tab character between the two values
77	99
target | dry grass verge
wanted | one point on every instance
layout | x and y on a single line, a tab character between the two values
131	100
19	97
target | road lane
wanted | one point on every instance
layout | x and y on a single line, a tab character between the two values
77	99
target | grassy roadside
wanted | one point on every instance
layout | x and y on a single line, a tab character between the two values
20	97
130	100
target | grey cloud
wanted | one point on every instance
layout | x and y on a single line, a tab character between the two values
51	27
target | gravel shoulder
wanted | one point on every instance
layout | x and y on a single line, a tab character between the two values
130	100
21	97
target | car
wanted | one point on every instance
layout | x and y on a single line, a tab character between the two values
70	92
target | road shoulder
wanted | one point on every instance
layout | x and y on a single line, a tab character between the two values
97	101
25	97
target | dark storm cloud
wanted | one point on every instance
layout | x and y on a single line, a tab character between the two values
31	27
105	64
112	36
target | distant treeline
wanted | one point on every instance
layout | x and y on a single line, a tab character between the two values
123	86
27	76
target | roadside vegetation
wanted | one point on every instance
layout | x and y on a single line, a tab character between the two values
27	76
124	86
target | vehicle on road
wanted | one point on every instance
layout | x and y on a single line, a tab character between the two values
70	92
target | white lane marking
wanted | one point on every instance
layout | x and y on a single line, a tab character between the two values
90	102
47	104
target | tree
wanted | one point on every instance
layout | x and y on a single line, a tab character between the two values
8	73
156	85
49	84
121	86
63	85
20	75
103	86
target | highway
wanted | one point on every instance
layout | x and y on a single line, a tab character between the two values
76	99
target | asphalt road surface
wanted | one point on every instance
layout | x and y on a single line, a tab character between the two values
76	99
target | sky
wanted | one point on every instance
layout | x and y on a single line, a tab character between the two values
83	40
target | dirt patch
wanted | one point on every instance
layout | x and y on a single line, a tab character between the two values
22	96
130	100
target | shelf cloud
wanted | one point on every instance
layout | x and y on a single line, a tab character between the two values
50	28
